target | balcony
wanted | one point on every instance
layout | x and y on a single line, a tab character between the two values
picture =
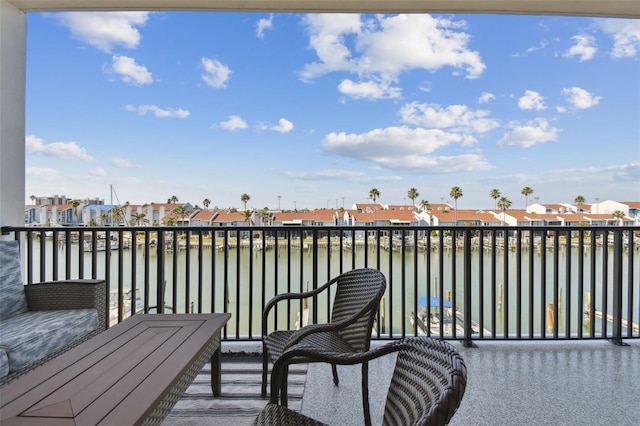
513	283
546	317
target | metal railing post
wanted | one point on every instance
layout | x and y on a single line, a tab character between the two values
617	288
468	342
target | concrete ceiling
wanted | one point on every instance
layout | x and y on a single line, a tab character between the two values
601	8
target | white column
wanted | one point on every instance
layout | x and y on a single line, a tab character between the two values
13	26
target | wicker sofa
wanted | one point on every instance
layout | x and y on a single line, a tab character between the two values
40	321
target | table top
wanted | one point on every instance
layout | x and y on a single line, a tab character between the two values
123	371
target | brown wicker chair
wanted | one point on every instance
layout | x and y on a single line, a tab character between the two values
355	306
426	388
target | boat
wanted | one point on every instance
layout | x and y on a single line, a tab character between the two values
127	304
430	320
101	244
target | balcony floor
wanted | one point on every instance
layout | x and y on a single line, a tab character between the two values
529	383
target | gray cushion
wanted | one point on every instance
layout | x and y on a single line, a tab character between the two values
4	361
33	335
12	298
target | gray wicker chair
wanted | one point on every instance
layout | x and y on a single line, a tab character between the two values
426	388
355	306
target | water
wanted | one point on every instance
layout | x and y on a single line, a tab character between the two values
252	278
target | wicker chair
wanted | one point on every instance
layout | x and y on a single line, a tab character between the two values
355	306
426	388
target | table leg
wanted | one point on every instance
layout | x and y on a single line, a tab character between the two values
216	372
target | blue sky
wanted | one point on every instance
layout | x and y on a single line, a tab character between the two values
320	108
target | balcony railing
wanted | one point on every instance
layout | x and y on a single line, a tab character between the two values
466	283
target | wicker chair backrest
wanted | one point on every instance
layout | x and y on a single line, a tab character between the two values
358	293
428	383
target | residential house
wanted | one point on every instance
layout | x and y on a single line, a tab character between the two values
203	218
226	219
367	207
320	217
155	212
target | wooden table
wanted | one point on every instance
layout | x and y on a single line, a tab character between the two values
131	374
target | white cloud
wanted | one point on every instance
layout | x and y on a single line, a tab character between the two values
533	133
65	150
584	48
388	142
402	148
98	172
419	164
284	126
485	97
580	98
159	112
235	122
105	30
42	172
121	163
458	118
386	46
625	33
263	25
531	100
369	90
216	74
129	71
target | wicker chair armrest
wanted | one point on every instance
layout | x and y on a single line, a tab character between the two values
342	358
310	329
69	294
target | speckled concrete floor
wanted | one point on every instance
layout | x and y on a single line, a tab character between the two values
509	383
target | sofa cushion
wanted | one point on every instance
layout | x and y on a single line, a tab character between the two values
12	297
4	361
33	335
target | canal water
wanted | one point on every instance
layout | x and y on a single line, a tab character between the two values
551	284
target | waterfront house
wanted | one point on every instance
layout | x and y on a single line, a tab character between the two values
203	218
320	217
155	212
367	207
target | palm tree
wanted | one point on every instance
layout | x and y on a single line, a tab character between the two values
74	204
172	200
117	215
374	194
182	212
104	218
619	215
456	192
265	216
504	204
139	219
579	201
526	191
412	194
424	205
495	194
206	202
244	198
247	215
171	221
32	198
